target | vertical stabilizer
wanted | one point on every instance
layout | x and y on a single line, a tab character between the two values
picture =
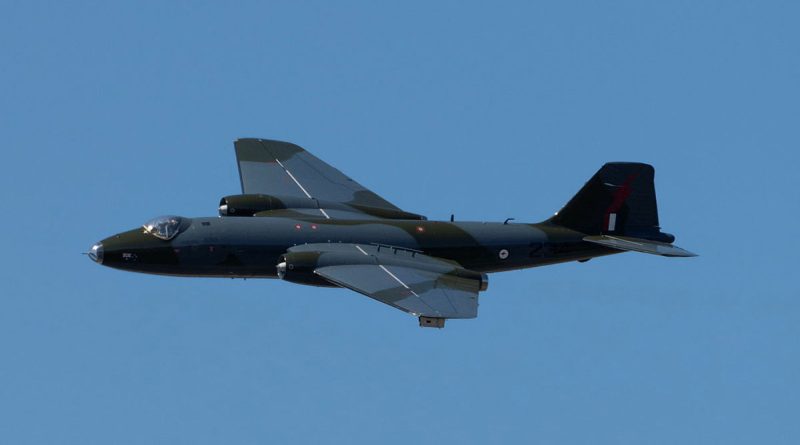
620	199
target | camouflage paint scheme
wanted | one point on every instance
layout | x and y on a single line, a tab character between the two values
304	221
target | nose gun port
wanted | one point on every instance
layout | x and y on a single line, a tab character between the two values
96	253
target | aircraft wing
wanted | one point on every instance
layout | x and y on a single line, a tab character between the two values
284	169
419	284
416	291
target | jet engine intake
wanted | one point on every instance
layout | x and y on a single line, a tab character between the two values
298	267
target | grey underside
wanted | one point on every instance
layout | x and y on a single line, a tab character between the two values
407	280
281	168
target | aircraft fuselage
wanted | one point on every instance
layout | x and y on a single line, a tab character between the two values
250	247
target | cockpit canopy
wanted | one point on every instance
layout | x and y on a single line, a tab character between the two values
164	227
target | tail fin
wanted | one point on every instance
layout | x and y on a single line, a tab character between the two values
620	200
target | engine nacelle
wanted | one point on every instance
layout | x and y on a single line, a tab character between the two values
249	205
298	267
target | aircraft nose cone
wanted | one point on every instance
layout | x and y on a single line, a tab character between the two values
96	253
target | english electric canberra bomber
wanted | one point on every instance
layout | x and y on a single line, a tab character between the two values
303	221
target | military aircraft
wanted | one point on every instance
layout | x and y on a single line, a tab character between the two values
301	220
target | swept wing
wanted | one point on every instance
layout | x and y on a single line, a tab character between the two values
286	170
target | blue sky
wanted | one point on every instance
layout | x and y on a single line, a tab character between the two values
112	113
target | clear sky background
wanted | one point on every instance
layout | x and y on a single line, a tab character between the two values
114	113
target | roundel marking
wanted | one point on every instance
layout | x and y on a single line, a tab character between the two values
503	254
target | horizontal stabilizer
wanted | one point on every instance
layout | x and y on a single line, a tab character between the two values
639	245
